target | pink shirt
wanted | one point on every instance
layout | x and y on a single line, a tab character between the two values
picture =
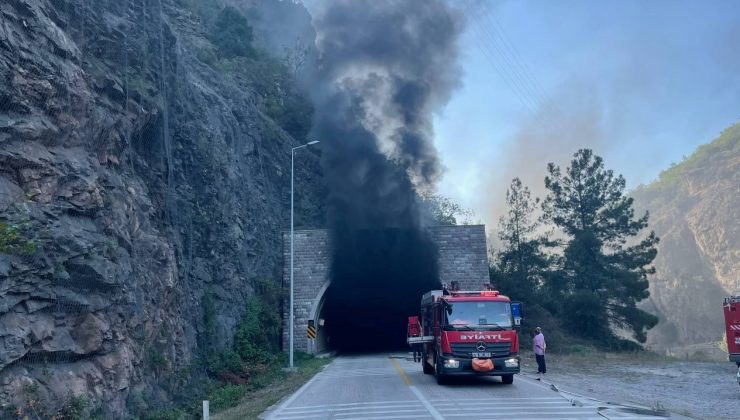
539	344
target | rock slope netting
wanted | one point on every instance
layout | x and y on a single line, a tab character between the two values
139	179
695	208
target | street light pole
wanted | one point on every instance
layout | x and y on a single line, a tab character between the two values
292	166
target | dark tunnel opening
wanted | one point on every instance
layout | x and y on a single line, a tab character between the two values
378	277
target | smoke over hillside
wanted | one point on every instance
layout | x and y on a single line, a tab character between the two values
385	67
572	120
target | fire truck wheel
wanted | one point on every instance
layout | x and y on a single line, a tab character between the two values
441	379
507	379
427	368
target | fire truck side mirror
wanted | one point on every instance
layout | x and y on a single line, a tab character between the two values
516	312
447	307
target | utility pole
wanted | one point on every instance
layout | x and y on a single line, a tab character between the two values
291	366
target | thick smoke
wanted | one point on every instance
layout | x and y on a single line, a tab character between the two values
395	63
385	67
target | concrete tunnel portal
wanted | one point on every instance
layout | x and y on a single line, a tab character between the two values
370	314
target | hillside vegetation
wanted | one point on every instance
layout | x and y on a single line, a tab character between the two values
726	145
695	208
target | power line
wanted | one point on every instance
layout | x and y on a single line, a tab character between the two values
512	83
525	67
509	46
509	61
494	43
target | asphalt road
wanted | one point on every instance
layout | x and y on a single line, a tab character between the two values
386	387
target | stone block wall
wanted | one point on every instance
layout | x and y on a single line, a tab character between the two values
462	254
311	264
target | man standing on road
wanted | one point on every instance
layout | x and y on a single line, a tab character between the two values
539	350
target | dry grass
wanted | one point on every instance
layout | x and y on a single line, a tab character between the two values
283	383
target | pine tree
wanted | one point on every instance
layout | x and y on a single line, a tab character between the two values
604	267
519	266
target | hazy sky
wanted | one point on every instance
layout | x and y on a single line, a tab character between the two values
643	83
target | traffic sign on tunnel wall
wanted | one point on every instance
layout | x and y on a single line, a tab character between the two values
311	330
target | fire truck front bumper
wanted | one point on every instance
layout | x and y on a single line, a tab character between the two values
462	366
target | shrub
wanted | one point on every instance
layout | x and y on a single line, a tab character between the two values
226	396
206	55
157	360
167	414
294	116
226	361
258	335
75	408
231	34
136	401
13	241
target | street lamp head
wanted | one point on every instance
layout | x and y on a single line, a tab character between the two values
312	142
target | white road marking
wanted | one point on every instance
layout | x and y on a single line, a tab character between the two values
356	375
582	414
402	373
293	397
360	410
508	416
354	404
617	416
376	413
421	406
506	406
502	400
393	417
426	403
514	410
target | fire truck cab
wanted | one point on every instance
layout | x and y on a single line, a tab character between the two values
468	333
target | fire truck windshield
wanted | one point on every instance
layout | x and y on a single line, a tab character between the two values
478	314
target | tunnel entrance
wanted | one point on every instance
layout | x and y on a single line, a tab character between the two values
402	266
377	279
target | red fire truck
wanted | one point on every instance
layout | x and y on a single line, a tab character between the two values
732	329
467	333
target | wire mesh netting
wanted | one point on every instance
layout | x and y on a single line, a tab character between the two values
144	183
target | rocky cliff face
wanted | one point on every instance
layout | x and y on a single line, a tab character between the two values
695	208
145	179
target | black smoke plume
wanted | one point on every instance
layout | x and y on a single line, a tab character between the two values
385	67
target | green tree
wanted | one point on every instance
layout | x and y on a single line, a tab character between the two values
601	276
444	211
232	34
520	266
